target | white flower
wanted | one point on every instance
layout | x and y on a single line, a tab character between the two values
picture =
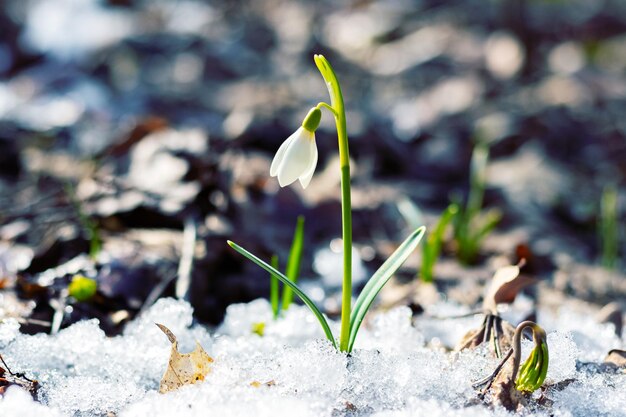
296	158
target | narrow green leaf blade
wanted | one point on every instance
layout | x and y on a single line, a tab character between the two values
448	214
608	227
432	248
293	263
274	288
478	178
379	279
489	221
305	299
410	212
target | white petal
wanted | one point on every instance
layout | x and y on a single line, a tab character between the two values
296	159
278	158
305	178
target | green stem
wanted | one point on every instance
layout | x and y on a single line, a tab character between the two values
274	289
327	106
338	110
539	335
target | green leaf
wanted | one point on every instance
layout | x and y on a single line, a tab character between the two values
609	228
336	98
533	372
410	212
489	221
293	263
379	279
470	226
478	177
305	299
544	367
274	288
432	248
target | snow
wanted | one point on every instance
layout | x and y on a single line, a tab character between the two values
396	369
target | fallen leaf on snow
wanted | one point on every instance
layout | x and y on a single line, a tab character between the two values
183	368
505	285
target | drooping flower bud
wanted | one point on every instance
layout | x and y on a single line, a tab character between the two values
296	158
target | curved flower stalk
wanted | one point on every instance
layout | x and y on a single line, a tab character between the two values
296	159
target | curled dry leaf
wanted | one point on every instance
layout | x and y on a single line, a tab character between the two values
183	368
505	285
617	357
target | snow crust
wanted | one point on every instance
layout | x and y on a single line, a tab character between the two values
398	368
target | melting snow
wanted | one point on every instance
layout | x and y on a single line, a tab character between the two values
397	370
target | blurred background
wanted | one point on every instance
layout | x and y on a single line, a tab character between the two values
136	137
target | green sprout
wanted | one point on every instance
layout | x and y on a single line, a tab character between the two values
608	228
292	272
89	225
296	159
531	375
471	224
533	372
82	288
432	246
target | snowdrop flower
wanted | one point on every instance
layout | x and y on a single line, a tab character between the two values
297	156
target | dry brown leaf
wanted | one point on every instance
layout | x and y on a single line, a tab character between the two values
616	357
503	390
183	368
505	285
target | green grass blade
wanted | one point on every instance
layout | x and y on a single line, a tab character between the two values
432	248
293	263
609	227
478	178
410	212
489	221
274	288
305	299
379	279
446	217
468	240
